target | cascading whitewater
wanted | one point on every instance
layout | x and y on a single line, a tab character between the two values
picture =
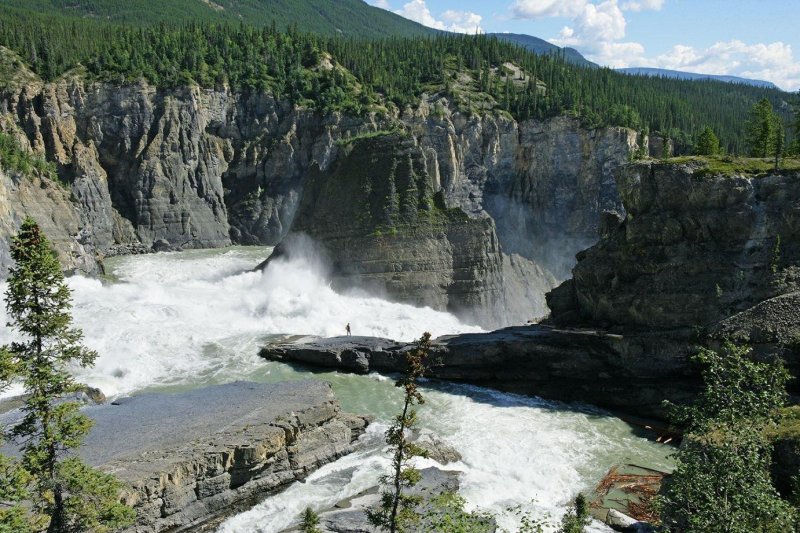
182	320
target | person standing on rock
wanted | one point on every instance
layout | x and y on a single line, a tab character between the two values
347	329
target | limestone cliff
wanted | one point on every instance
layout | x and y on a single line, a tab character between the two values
384	228
210	167
693	250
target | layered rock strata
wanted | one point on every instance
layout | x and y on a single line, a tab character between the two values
383	227
191	456
631	374
191	167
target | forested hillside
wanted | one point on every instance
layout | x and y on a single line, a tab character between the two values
335	72
329	17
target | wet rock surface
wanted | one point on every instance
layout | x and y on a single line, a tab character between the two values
349	516
191	456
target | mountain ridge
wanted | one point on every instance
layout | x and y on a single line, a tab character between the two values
327	17
540	46
683	75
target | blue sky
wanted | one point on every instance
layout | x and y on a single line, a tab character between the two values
750	38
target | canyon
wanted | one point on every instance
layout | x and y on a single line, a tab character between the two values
194	168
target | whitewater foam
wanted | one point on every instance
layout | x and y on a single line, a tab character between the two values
182	317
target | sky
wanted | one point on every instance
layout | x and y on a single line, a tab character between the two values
750	38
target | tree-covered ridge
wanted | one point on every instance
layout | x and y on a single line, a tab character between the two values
477	73
326	17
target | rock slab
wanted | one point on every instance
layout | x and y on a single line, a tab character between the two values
193	456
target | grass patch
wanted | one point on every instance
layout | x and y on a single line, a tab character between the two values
788	426
729	165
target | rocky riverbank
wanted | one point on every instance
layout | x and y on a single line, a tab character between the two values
628	373
192	456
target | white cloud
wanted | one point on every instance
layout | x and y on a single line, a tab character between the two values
383	4
598	31
773	62
538	9
456	21
643	5
462	21
599	23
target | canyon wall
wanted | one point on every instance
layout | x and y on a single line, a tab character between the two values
192	167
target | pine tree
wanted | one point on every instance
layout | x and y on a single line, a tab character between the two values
310	522
577	517
761	130
73	496
397	510
796	130
780	139
707	143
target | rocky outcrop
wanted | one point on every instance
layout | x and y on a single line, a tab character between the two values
694	250
628	373
350	515
384	228
49	203
192	456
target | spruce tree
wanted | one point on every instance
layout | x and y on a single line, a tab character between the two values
397	512
796	130
761	134
707	143
69	494
577	516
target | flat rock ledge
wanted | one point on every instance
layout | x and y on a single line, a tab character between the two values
195	456
628	373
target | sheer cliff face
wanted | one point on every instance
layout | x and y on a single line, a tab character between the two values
693	250
207	168
384	228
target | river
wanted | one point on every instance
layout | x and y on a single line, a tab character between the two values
180	320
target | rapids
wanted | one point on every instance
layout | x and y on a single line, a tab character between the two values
180	320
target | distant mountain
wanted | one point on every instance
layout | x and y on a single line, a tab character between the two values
654	72
328	17
541	47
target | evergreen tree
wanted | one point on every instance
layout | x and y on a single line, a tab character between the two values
707	143
780	140
762	130
73	496
721	483
397	512
310	522
577	517
796	131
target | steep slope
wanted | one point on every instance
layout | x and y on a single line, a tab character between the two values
191	167
353	18
693	250
385	228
